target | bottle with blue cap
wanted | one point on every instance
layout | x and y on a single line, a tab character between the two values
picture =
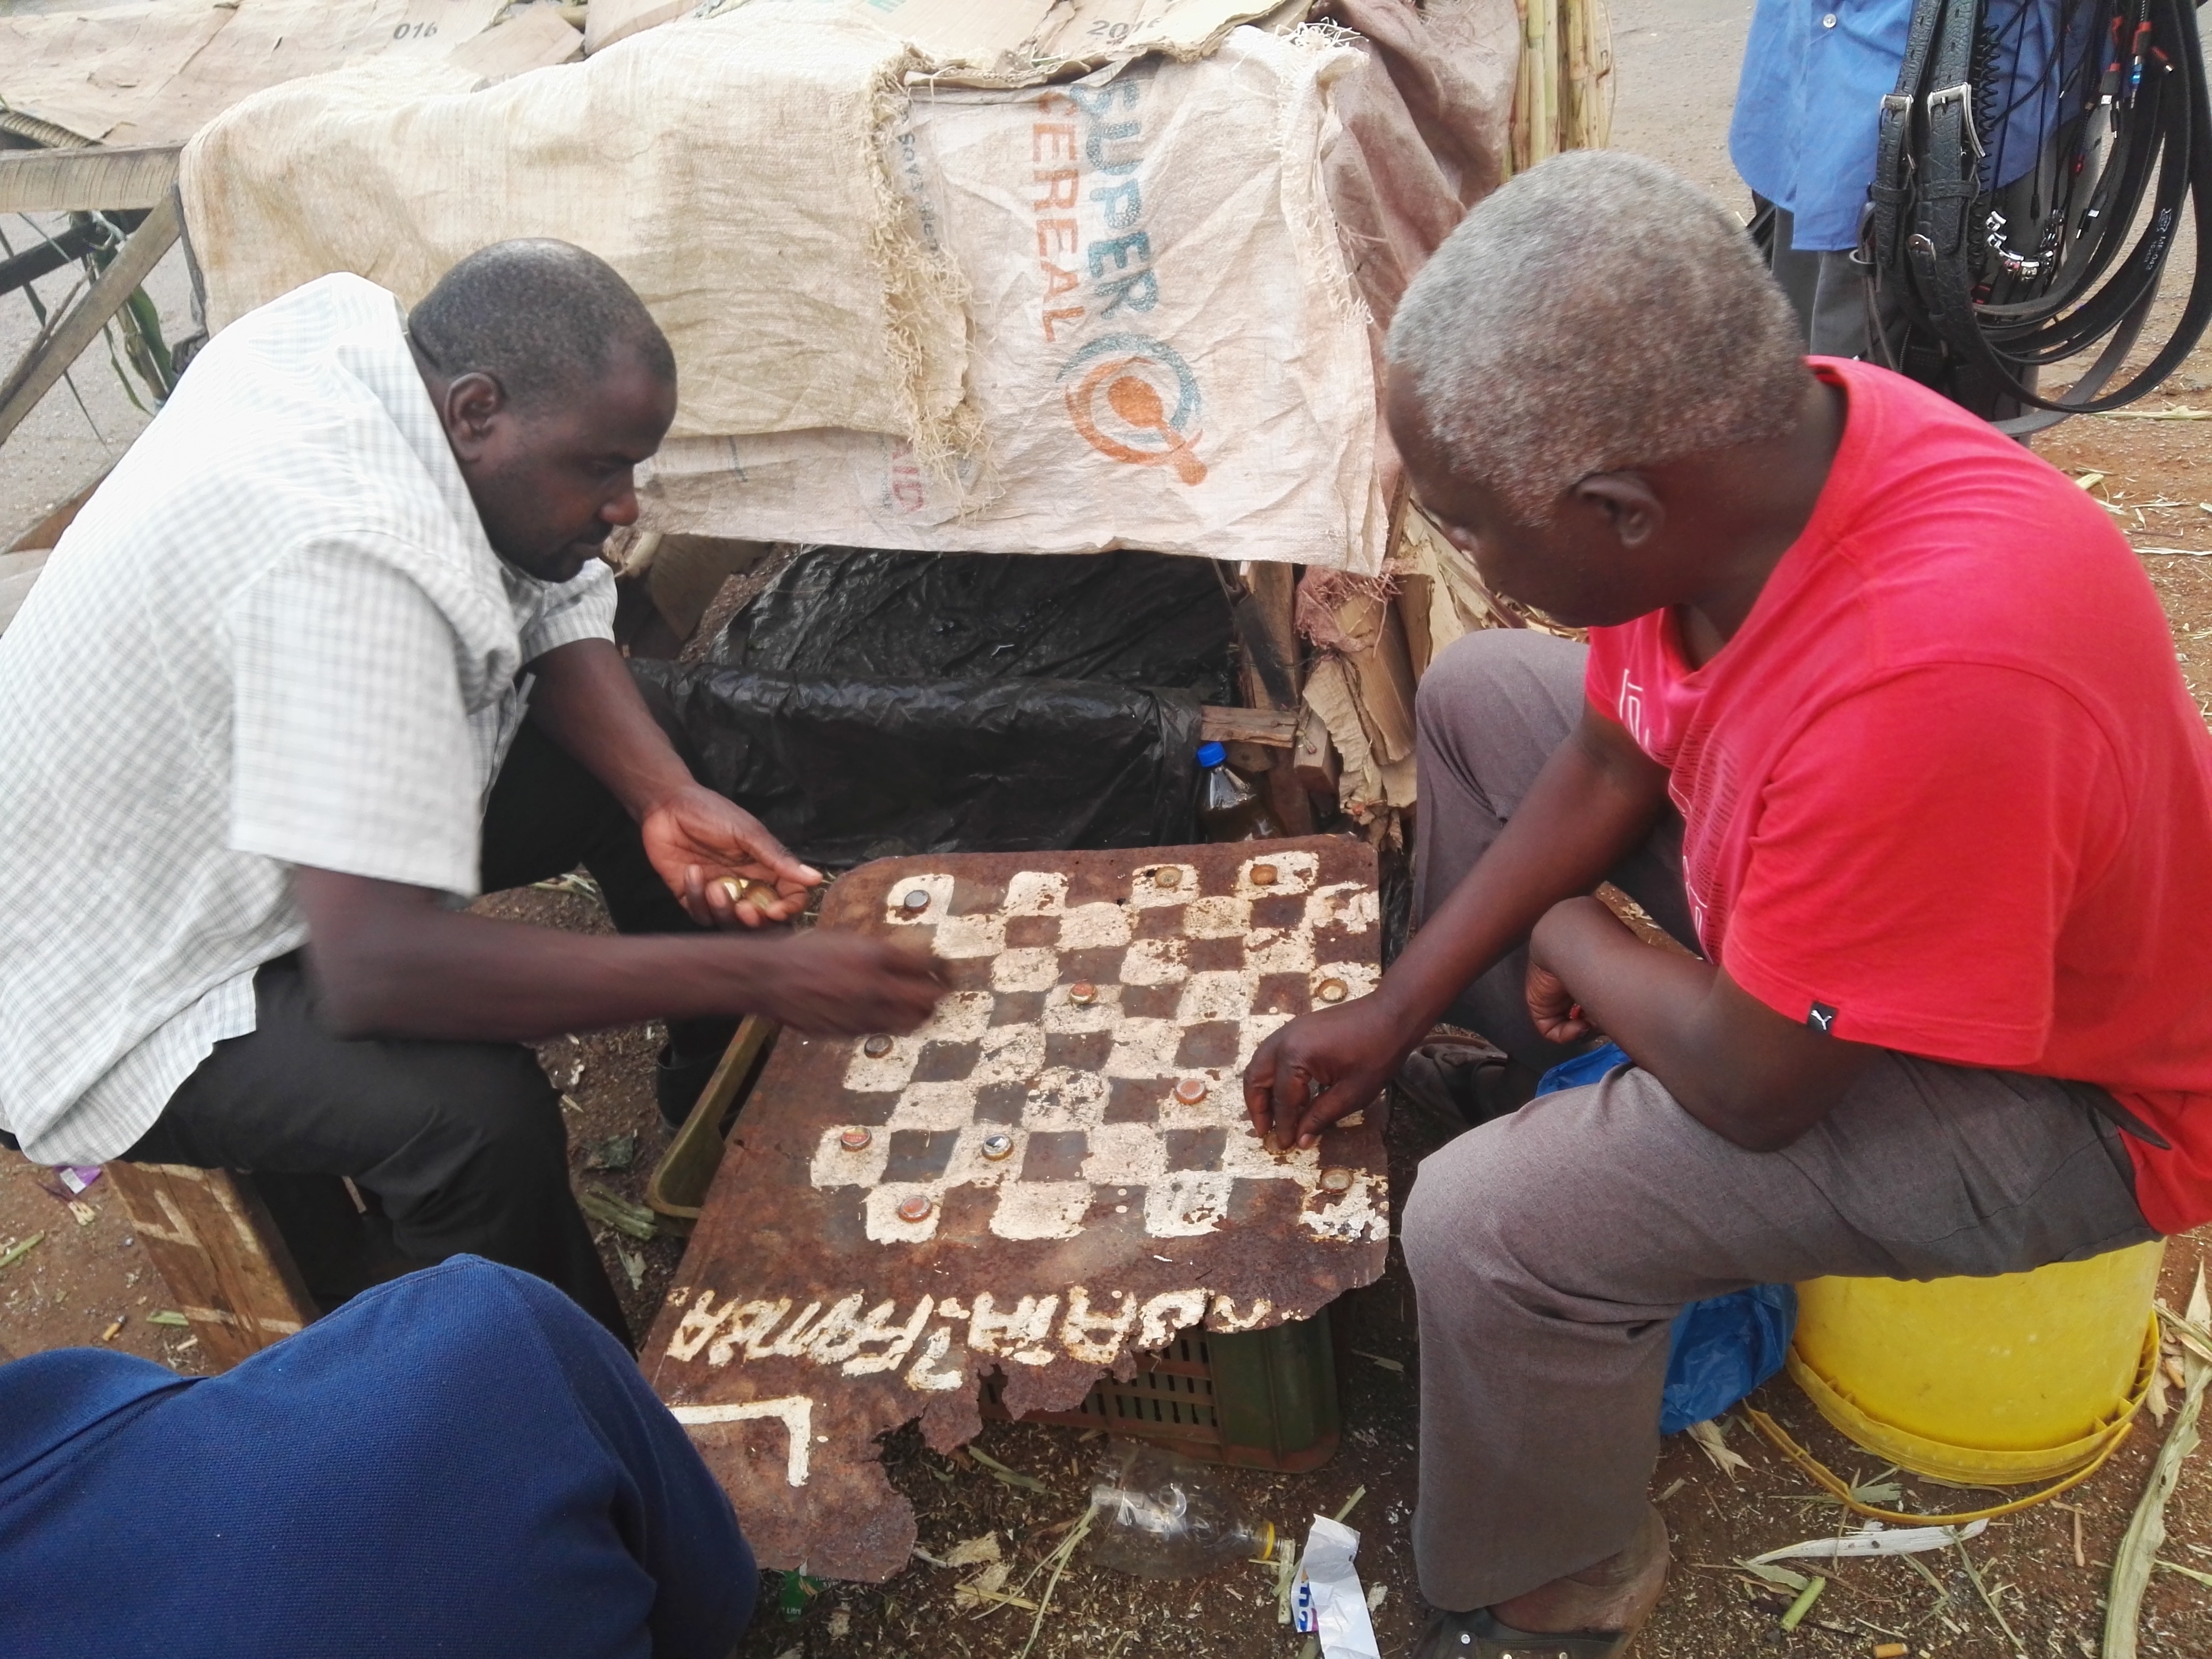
1228	807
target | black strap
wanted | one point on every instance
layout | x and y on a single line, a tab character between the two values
1929	202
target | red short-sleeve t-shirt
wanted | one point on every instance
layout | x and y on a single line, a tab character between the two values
1945	790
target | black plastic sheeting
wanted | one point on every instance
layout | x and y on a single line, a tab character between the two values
1125	619
847	769
870	704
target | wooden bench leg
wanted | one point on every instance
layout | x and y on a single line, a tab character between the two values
219	1252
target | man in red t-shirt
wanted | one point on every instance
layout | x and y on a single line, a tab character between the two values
1879	713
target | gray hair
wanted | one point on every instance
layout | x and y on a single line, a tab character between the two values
1598	312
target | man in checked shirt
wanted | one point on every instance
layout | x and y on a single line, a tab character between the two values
327	655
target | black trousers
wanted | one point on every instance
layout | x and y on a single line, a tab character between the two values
460	1145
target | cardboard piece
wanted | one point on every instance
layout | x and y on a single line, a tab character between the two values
155	71
1001	43
729	169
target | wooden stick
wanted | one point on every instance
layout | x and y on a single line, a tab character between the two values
50	359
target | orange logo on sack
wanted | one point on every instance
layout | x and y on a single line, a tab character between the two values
1118	389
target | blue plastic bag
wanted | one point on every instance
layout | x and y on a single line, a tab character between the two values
1724	1347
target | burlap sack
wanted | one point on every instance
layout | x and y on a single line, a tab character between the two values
729	169
1168	353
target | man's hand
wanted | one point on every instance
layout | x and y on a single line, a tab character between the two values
1320	1067
698	840
1552	1007
1597	796
1744	1072
830	984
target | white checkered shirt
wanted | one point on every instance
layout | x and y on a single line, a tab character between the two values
276	635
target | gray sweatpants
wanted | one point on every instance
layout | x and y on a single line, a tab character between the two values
1551	1248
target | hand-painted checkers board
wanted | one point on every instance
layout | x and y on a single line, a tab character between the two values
1053	1173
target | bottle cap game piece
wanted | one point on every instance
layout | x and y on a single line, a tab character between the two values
915	1208
1169	877
855	1139
1336	1180
1263	875
1083	993
1190	1091
748	892
876	1047
1330	990
917	898
998	1147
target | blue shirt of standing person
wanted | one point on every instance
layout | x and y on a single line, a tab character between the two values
460	1461
1810	102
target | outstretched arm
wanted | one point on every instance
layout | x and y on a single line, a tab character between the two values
390	960
1597	796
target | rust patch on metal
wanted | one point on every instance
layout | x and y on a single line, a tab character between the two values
1040	1185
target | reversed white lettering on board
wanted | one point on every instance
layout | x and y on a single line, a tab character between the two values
941	1333
795	1411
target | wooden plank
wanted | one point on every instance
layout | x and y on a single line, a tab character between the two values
1268	636
86	180
216	1248
47	531
18	574
1274	728
49	359
1314	759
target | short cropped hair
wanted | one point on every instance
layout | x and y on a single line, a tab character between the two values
544	317
1596	313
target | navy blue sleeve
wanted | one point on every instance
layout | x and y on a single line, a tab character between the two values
674	1515
460	1461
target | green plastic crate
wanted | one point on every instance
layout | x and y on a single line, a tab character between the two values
1258	1400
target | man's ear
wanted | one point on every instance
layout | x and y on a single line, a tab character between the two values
471	408
1628	503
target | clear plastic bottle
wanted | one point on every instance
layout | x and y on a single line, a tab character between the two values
1228	807
1161	1515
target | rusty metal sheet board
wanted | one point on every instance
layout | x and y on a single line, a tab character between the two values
1053	1173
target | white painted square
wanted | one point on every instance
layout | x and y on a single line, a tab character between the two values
1279	950
835	1166
983	934
1155	962
1258	1028
1294	874
1359	978
1063	1013
939	888
1041	1209
886	1226
1343	904
1144	1049
1186	1204
934	1106
961	1018
1031	968
1036	893
1011	1054
1222	994
1223	916
1094	926
1147	891
1124	1155
1064	1098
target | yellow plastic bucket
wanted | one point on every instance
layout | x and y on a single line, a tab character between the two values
1983	1381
